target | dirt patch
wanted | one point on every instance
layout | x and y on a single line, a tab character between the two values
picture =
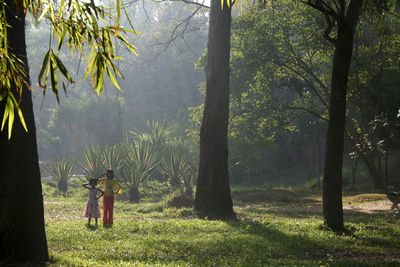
303	203
371	207
362	198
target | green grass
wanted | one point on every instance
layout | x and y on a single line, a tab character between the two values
275	227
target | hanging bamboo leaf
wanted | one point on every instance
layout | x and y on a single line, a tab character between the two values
10	105
53	78
21	118
118	12
44	13
6	113
112	78
61	67
41	72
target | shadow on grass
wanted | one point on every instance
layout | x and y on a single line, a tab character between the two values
246	243
255	196
92	227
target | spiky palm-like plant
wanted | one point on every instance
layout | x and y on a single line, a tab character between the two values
175	166
61	169
138	166
91	160
157	135
113	157
179	165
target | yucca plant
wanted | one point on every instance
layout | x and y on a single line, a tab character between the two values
113	157
91	160
61	170
137	167
179	166
157	135
175	166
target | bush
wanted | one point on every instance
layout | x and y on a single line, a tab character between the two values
181	201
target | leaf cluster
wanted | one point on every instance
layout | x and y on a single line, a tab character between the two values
76	24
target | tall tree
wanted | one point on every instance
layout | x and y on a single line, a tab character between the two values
22	235
343	15
213	196
22	232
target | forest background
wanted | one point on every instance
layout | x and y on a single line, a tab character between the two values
280	69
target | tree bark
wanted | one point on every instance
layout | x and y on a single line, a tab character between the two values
22	232
133	194
332	183
213	196
354	175
318	159
386	178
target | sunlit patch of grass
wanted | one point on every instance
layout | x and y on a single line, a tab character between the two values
362	198
268	240
286	229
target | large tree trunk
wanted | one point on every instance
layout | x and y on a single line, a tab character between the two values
332	183
22	233
213	195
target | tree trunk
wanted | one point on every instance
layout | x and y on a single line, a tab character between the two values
133	194
332	183
22	233
213	196
318	160
386	178
354	175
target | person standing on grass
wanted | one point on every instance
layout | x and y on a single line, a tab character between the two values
111	187
92	209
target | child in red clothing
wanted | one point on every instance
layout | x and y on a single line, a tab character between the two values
111	187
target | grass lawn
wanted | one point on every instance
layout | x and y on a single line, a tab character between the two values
284	230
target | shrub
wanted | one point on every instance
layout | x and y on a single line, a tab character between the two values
61	170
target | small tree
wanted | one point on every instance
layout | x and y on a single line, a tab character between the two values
91	161
113	157
61	170
138	166
179	166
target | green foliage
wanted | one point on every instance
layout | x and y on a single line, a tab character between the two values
138	166
61	170
73	124
85	23
113	157
280	79
179	165
91	160
156	135
135	161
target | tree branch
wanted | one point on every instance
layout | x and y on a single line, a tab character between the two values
328	30
184	1
311	112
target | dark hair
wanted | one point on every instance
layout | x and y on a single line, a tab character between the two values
92	181
109	174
